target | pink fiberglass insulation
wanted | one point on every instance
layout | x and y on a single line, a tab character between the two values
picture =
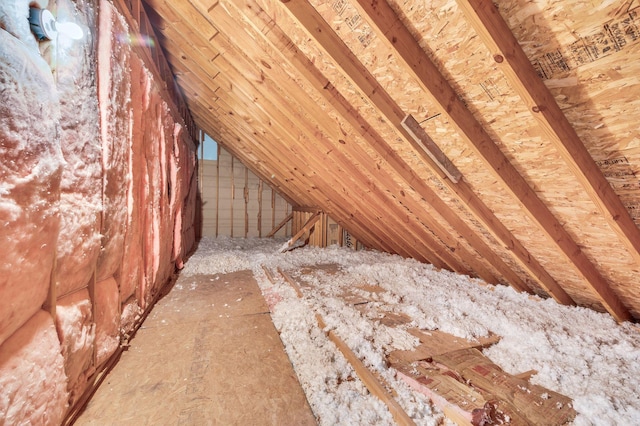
177	194
156	203
132	269
32	378
114	85
142	289
107	319
131	313
81	188
166	267
29	181
94	173
76	331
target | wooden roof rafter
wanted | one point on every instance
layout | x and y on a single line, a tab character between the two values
320	30
388	25
478	267
514	63
316	130
277	37
239	85
279	43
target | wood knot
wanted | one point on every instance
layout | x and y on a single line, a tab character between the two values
498	58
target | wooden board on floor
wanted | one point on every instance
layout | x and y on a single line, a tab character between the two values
436	342
468	387
207	354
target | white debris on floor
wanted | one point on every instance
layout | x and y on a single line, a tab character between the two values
578	352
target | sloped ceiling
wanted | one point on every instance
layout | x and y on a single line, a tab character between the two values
496	140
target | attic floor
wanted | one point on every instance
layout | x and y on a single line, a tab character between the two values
207	354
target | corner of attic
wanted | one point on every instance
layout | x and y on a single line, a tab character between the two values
435	202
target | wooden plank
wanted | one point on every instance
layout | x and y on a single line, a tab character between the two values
218	191
307	226
514	63
371	382
291	282
268	274
368	378
416	61
214	331
280	225
246	202
273	214
420	136
540	406
457	400
436	342
260	208
233	194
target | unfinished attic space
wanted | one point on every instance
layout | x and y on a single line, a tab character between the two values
302	212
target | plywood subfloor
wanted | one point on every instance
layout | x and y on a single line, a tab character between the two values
208	354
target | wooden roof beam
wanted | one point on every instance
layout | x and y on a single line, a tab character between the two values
327	183
388	25
239	149
513	62
275	51
195	62
363	186
277	38
315	25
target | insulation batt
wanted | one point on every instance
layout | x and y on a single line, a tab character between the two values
132	271
30	173
114	101
107	306
32	378
76	331
81	187
93	176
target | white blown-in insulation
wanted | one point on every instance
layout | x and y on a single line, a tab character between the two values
578	352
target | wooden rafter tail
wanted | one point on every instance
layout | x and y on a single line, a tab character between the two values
305	228
387	24
514	63
280	225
